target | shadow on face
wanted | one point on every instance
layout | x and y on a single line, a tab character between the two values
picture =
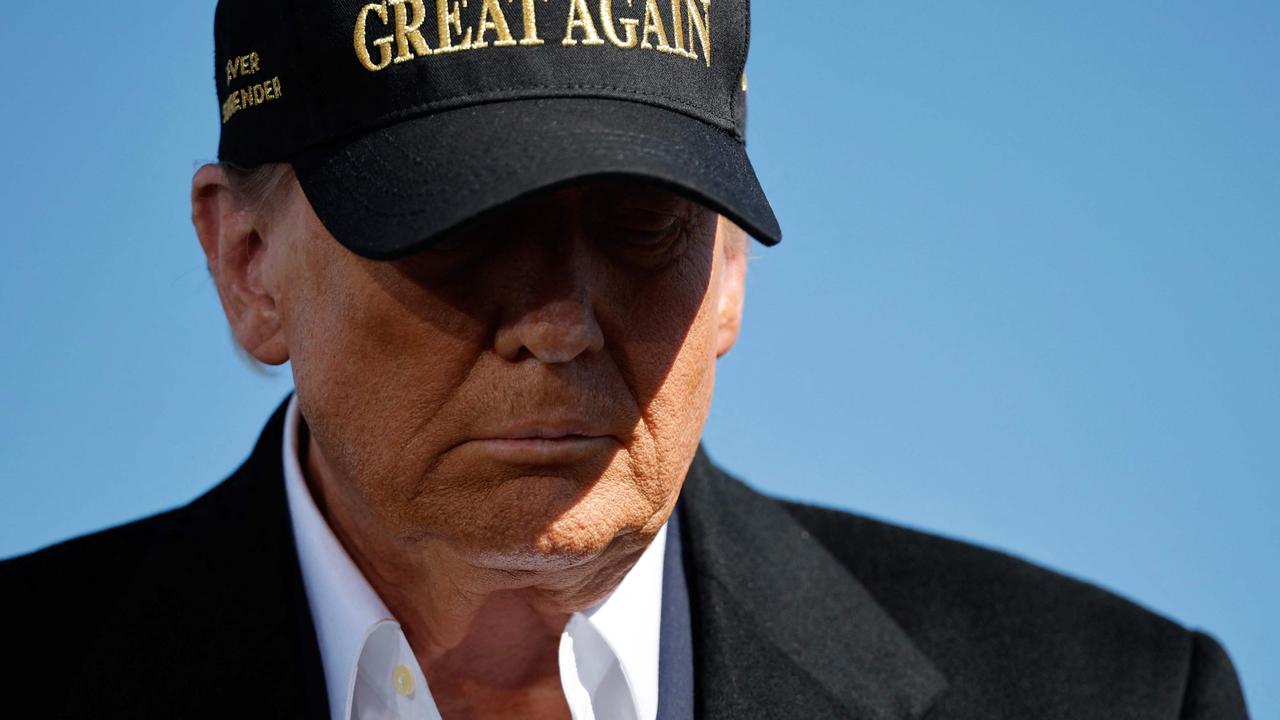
530	390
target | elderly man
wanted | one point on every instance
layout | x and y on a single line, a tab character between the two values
499	244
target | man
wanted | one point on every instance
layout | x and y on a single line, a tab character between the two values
499	245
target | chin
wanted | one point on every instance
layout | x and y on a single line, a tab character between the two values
531	559
563	536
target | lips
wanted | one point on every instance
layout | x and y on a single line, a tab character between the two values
546	433
563	450
543	442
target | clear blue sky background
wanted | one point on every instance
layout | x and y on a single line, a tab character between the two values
1029	293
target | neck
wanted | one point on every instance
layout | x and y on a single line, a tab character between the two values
487	638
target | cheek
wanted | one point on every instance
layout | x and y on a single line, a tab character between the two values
667	350
374	363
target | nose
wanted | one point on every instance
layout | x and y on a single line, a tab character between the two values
556	332
552	317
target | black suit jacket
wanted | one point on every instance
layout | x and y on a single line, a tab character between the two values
797	612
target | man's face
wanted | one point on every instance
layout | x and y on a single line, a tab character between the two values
530	391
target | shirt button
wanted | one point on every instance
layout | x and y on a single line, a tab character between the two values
402	680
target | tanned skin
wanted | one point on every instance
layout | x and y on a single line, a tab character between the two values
497	426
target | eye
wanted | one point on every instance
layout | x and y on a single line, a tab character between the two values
640	225
641	238
472	237
450	255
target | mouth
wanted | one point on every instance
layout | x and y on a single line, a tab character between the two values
547	432
544	445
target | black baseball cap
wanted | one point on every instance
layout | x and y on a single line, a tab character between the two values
406	118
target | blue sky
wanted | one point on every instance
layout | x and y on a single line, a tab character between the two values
1029	293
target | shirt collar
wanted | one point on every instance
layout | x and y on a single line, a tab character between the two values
630	620
346	610
344	607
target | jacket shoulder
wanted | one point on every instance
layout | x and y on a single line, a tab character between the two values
66	579
1016	638
94	565
916	565
57	599
101	553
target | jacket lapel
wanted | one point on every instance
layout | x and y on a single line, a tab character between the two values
781	629
215	622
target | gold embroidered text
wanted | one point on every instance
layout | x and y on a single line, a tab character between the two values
251	96
391	31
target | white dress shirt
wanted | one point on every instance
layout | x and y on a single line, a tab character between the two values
608	654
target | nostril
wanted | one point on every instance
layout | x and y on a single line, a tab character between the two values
556	332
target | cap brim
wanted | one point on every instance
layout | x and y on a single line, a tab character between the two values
389	192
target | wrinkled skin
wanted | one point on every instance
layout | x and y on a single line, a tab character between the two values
499	425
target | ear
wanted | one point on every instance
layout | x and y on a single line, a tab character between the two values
733	284
236	255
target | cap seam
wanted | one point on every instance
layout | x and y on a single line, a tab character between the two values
742	69
666	102
524	88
